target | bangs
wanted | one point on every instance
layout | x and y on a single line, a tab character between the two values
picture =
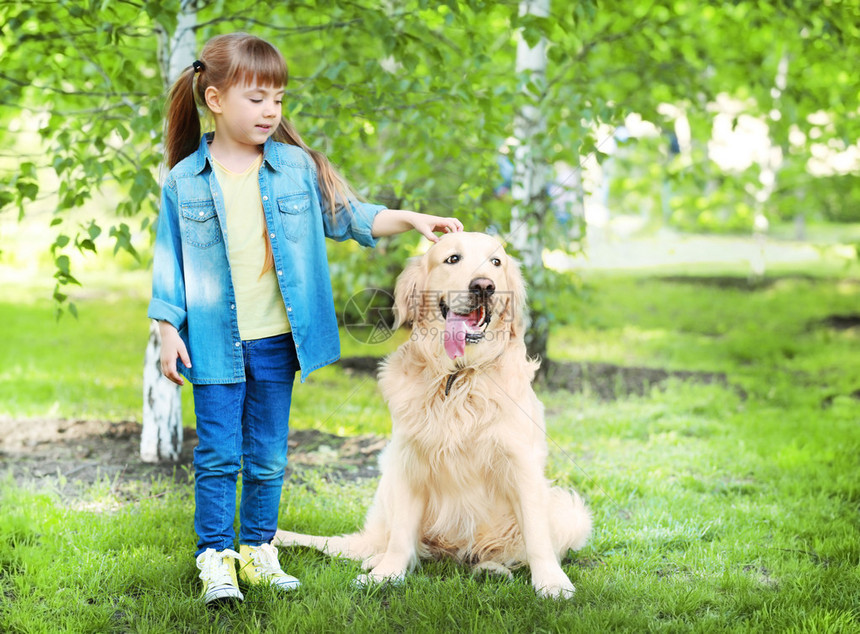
258	62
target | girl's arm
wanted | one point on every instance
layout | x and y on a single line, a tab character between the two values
391	221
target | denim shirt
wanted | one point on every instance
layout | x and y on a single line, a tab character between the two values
192	288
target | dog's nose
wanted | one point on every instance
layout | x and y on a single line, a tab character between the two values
482	286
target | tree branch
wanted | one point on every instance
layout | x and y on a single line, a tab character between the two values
70	93
280	29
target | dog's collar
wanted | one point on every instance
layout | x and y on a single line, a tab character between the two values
453	376
451	379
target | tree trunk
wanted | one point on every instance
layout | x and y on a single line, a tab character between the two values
161	437
529	187
768	177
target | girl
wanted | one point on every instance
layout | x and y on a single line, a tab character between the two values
241	288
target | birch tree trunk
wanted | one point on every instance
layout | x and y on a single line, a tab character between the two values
768	176
531	173
161	436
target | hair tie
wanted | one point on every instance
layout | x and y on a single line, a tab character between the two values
198	66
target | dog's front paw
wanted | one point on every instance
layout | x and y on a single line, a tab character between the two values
554	585
372	579
390	570
372	562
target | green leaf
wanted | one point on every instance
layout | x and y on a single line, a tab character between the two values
93	230
62	263
27	190
6	198
86	245
122	237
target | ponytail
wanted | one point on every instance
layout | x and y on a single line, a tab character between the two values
182	135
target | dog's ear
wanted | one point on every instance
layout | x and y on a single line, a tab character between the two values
408	291
515	311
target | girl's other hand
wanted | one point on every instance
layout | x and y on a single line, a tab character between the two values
172	347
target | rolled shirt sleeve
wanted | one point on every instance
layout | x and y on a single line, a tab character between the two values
168	282
350	224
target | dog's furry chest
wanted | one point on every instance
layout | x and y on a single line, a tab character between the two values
476	415
469	425
449	411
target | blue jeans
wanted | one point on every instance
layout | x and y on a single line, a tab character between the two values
244	426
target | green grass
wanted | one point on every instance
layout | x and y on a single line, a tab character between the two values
716	508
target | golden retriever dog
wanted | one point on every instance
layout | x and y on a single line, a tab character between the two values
463	475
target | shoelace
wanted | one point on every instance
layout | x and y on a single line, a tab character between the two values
266	560
212	566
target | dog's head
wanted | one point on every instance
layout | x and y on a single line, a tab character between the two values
465	293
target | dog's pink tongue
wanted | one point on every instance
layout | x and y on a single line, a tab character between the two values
455	334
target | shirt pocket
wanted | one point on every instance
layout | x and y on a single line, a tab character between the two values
293	211
200	223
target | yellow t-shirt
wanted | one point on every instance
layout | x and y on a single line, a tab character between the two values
259	304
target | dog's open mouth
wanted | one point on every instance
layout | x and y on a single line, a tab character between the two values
461	329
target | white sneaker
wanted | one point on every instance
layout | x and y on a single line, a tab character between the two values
261	566
218	573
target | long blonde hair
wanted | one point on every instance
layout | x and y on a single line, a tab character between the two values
227	61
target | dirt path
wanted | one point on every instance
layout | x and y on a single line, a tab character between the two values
68	456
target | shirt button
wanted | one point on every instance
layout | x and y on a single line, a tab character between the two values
289	309
295	206
238	343
265	198
271	235
232	306
202	213
280	272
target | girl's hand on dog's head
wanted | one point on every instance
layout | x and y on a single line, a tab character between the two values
428	225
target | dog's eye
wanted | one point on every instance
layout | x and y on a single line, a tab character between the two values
495	261
452	259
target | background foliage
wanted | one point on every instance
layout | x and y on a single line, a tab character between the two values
414	99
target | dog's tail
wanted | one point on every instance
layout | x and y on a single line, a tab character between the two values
354	546
571	520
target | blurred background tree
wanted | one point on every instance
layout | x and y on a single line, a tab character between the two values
417	102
